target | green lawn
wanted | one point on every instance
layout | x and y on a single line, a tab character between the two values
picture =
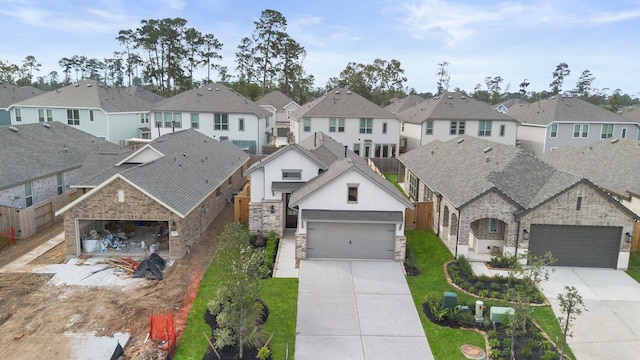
393	178
634	265
281	297
429	255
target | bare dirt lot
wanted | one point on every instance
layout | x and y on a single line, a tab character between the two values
34	315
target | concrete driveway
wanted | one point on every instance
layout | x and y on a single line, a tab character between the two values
357	310
611	327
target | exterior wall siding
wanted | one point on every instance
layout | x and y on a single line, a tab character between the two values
441	131
42	190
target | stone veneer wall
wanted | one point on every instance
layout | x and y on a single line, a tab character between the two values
262	220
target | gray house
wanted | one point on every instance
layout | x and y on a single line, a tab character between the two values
548	124
39	162
490	198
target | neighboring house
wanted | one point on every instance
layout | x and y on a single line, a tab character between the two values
452	114
612	164
503	107
39	162
216	111
10	94
491	198
180	180
366	128
557	121
281	107
338	206
114	114
632	114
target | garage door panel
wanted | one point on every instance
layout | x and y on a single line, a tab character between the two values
589	246
350	240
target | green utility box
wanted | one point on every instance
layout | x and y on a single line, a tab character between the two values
449	300
498	314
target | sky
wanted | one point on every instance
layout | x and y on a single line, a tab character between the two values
513	39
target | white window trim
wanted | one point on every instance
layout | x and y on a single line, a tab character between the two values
349	187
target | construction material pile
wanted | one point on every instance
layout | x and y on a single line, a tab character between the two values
151	268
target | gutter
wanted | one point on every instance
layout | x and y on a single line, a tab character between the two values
457	234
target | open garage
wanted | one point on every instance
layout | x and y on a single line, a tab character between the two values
588	246
344	240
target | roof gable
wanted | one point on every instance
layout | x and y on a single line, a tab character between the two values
289	148
276	99
145	154
342	102
11	94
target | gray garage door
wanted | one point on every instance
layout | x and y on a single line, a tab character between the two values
350	240
590	246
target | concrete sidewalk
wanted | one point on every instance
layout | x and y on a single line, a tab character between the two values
357	310
285	266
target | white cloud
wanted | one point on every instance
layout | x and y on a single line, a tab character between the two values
176	4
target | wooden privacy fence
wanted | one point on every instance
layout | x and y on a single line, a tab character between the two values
241	205
29	221
635	239
420	217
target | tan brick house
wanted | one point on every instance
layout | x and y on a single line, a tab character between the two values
179	182
492	198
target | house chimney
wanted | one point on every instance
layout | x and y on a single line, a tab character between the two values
345	151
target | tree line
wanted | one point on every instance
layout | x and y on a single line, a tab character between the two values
163	55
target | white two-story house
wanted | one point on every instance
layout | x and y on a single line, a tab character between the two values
452	114
217	111
281	107
364	127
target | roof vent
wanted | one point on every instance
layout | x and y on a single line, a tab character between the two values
463	97
89	85
614	141
209	89
13	128
76	85
223	138
487	149
487	160
449	97
348	92
217	89
460	140
337	91
46	125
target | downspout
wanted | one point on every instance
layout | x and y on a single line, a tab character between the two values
517	235
438	225
457	234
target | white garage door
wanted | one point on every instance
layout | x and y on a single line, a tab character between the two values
350	240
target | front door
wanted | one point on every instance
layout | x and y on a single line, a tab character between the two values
367	150
291	215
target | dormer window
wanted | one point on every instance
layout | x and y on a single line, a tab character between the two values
291	174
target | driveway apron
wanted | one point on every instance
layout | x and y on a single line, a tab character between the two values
357	310
610	329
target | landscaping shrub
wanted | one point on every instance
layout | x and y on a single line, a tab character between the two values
270	253
503	262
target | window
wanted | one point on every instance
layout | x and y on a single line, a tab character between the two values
291	174
73	117
49	115
177	120
428	194
384	150
402	127
221	122
384	128
484	128
607	131
554	130
158	119
142	119
413	187
60	184
580	130
352	193
366	126
41	115
623	134
429	128
90	115
493	225
356	149
457	128
18	115
28	194
502	130
306	124
340	125
241	124
579	203
332	125
195	120
168	119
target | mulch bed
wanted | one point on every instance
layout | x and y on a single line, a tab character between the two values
232	352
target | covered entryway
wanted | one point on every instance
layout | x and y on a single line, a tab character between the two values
588	246
350	240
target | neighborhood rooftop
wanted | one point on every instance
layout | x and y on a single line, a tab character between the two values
342	103
276	99
11	94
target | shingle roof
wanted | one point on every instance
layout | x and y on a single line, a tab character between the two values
90	94
465	167
339	161
146	95
11	94
632	114
342	102
400	105
38	150
613	164
276	99
451	106
290	147
191	167
562	109
211	98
